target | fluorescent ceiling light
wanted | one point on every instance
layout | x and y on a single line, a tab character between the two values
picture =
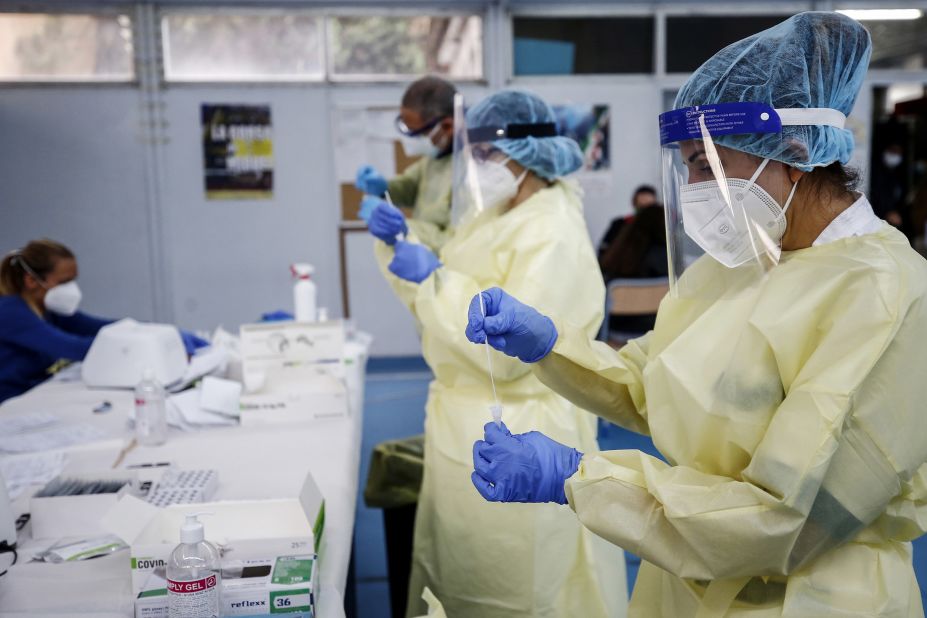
882	14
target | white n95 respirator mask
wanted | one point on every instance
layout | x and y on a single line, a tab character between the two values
498	185
63	299
752	224
420	145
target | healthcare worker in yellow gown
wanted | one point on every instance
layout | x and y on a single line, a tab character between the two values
784	379
521	226
426	128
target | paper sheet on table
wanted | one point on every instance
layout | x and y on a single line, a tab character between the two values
10	425
209	361
23	471
57	436
187	404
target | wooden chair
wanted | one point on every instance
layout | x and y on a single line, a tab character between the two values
631	297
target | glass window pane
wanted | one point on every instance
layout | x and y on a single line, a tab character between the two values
691	40
401	46
583	45
62	47
255	46
898	44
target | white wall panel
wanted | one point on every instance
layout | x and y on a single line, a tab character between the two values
72	169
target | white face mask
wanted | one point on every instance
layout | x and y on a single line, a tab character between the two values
891	159
63	299
421	145
753	225
498	185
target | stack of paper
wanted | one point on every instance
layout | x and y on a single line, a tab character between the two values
46	439
210	361
38	469
187	406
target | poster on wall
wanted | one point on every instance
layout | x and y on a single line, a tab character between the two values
238	152
588	125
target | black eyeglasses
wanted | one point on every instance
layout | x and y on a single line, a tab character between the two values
403	128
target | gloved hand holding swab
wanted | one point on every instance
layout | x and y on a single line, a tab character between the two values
495	408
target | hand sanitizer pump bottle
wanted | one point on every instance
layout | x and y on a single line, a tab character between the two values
194	576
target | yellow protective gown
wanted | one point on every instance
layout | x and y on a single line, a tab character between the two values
425	187
793	412
487	559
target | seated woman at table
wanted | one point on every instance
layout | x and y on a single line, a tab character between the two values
40	325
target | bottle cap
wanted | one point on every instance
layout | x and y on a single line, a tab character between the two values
192	529
302	270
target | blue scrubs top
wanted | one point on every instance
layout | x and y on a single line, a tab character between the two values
30	345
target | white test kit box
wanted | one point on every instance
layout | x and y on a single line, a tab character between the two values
152	533
295	395
293	372
78	515
259	578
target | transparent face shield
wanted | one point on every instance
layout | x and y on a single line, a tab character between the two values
481	179
466	198
724	207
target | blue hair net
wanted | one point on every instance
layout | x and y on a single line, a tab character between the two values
812	59
548	157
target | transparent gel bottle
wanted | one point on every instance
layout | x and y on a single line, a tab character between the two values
150	411
194	577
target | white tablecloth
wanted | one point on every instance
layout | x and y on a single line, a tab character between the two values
253	463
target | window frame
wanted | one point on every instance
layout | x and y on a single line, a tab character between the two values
78	10
730	10
372	78
165	11
579	11
326	15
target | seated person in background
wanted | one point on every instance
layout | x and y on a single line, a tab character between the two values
919	208
638	252
889	188
643	197
39	321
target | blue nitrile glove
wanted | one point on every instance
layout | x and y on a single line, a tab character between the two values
413	262
367	206
191	342
370	181
525	467
277	316
386	222
511	327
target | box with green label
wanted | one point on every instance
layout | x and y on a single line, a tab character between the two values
285	585
292	524
280	583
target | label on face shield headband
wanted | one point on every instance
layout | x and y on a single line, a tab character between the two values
721	119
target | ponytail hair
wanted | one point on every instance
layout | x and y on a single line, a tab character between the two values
38	259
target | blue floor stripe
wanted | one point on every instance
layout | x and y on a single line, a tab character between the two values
379	364
394	407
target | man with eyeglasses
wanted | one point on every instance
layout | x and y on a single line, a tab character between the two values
419	199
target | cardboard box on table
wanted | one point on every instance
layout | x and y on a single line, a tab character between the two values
259	578
247	528
293	372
